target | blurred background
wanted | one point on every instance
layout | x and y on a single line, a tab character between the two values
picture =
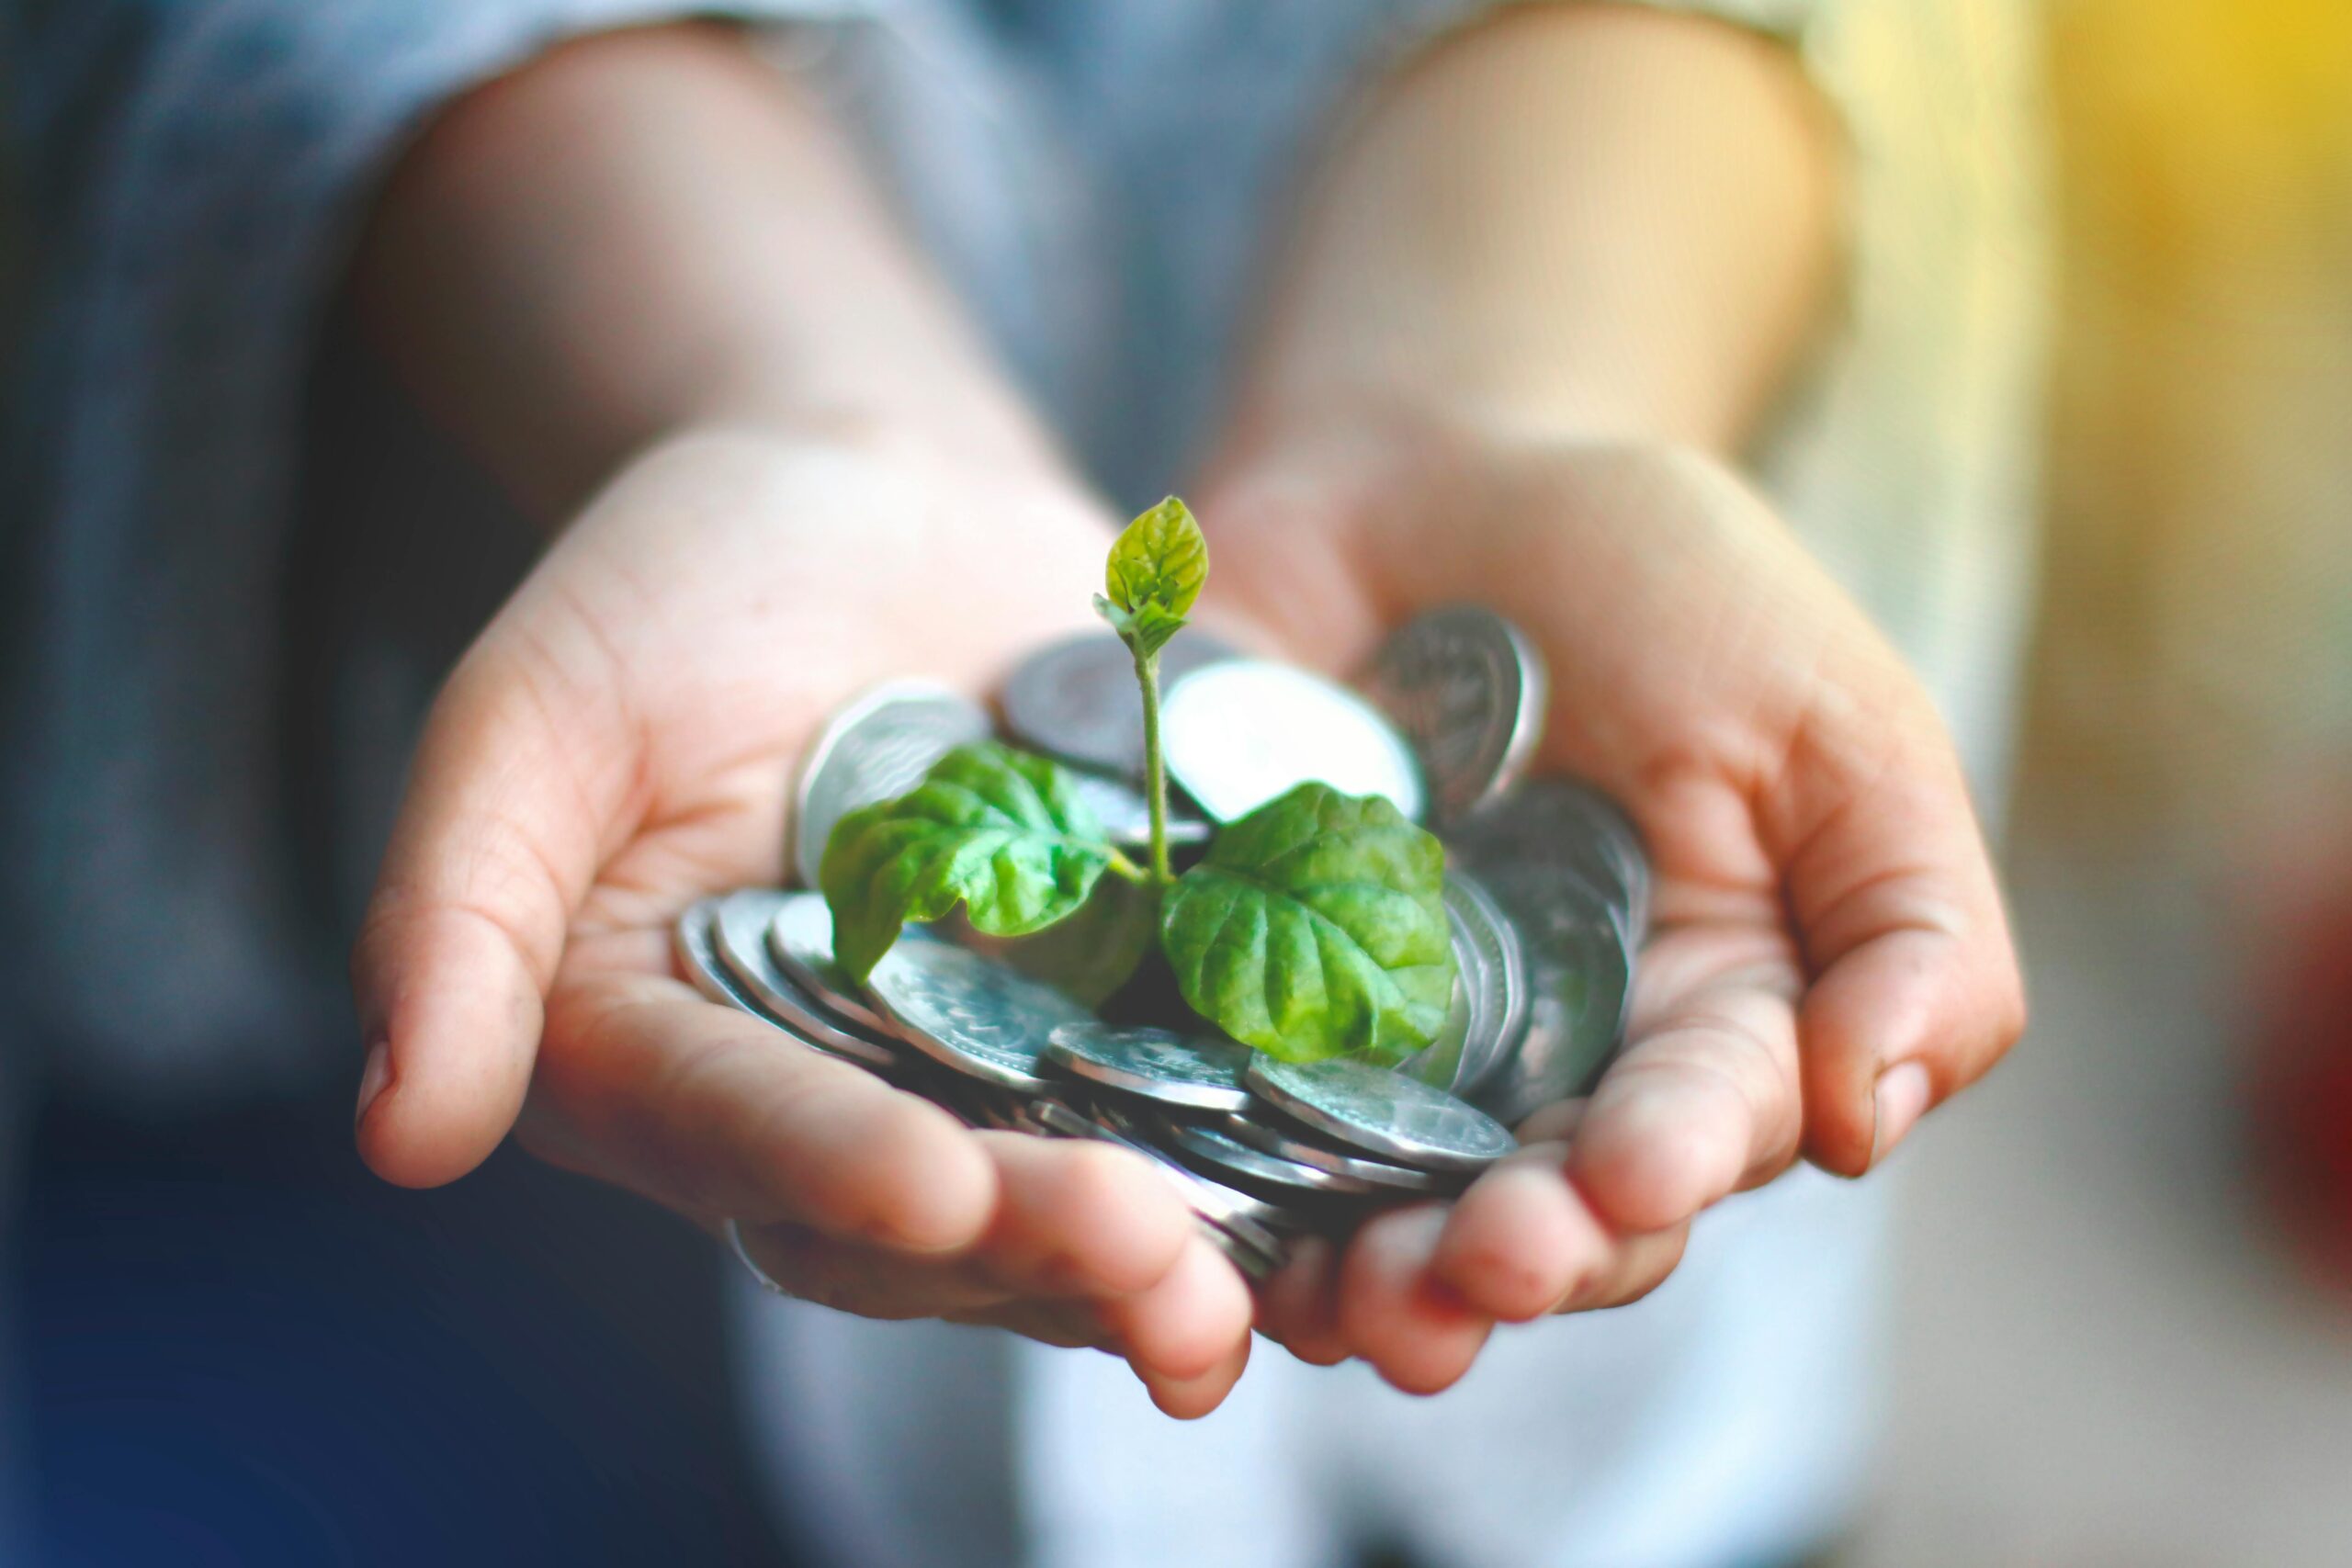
2124	1323
2125	1328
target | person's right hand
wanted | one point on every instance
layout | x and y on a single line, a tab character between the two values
1828	957
621	740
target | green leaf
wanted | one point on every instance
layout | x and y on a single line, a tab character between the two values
1316	927
994	830
1094	951
1157	565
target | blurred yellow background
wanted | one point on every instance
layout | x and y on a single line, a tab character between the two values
2108	1353
2198	632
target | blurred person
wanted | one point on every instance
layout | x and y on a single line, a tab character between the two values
817	352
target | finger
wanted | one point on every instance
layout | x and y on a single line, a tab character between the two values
1554	1124
1065	1326
1298	1308
1189	1399
1521	1239
1071	1220
1185	1326
519	774
870	1281
1636	1266
696	1105
1417	1335
1076	1218
1894	892
1707	1101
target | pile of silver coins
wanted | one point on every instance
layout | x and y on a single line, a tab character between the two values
1546	892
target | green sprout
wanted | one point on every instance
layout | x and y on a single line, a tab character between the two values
1314	926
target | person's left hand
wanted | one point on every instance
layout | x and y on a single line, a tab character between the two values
1829	955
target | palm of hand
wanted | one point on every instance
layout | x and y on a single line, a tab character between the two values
1823	909
620	741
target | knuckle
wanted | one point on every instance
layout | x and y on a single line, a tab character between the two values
1637	1291
1652	1271
1512	1286
2000	1021
1776	1158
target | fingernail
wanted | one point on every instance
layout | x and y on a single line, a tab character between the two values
373	1078
1903	1093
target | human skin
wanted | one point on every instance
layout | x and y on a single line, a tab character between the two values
643	283
1542	296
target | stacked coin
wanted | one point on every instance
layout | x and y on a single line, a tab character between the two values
1546	897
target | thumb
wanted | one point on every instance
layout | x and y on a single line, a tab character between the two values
518	779
1915	990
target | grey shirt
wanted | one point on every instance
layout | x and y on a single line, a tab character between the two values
232	569
1097	178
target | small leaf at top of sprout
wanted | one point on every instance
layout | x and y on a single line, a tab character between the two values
1157	567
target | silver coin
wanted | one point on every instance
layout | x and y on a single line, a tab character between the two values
1468	690
1579	964
1229	1157
695	949
1617	844
1210	1198
969	1012
1313	1214
1567	828
1486	993
1383	1112
1198	1071
1440	1063
953	1097
1243	1254
1482	980
982	1105
1486	934
800	939
739	932
1239	734
877	747
1586	969
1051	1118
1077	699
1300	1150
1567	864
1126	815
1621	844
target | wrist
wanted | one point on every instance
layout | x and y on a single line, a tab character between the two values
1365	454
968	421
1340	525
1423	411
1022	496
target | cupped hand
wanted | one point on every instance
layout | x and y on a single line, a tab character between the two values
1829	957
619	742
